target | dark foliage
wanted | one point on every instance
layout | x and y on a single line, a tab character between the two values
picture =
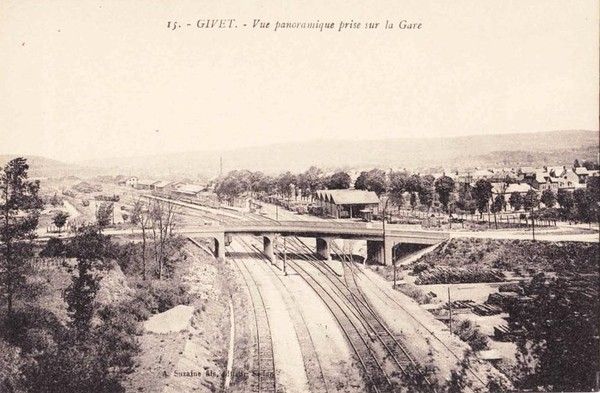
558	344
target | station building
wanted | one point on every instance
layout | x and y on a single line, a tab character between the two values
348	203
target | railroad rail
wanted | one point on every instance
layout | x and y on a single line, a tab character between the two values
264	376
373	325
312	365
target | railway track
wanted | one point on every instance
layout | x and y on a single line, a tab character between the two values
312	365
264	378
393	302
375	371
395	354
374	374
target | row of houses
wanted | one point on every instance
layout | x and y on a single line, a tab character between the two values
175	188
539	178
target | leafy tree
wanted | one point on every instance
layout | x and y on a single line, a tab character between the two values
374	180
497	207
465	200
590	165
234	184
90	248
104	214
482	193
592	190
60	219
413	186
444	187
516	201
19	205
256	180
565	200
285	181
582	204
531	200
426	191
266	184
310	181
558	343
548	198
338	181
54	248
413	183
397	187
413	200
361	182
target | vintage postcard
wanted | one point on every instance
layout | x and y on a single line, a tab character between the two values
299	196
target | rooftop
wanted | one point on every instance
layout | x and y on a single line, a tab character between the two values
190	189
146	182
348	197
520	188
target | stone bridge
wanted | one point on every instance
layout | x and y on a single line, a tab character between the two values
378	248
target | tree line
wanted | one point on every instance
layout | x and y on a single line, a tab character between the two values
304	185
412	190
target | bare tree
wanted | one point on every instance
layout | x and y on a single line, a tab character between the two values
163	219
140	216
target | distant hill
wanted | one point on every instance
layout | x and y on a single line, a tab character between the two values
555	147
523	149
46	167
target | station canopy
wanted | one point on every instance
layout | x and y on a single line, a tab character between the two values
348	197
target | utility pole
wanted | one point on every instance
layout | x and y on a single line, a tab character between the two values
450	308
532	224
385	243
220	166
284	257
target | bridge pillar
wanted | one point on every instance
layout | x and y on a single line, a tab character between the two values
324	248
268	248
376	250
219	249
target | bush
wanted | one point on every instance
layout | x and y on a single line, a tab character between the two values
155	296
420	267
470	334
415	293
169	294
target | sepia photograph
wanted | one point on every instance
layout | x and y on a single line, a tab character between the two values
287	196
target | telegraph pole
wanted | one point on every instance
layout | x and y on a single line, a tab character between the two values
532	224
385	243
450	308
284	257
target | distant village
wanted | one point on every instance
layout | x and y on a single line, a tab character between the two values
357	194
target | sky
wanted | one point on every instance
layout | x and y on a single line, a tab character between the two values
98	79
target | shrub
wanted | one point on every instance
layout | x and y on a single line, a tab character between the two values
156	296
417	294
420	267
469	333
169	294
